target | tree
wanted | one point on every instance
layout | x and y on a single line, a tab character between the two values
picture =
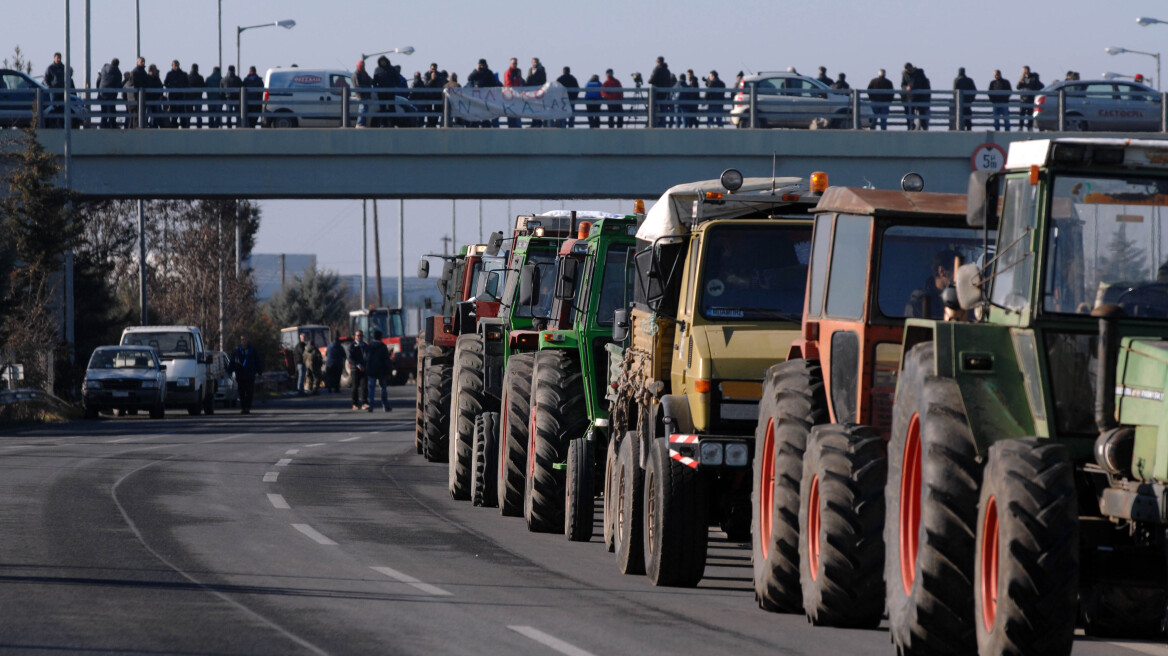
1126	260
18	62
316	297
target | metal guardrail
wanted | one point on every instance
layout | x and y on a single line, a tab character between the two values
22	395
641	107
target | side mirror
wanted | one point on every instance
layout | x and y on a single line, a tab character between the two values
528	284
567	283
981	209
488	289
620	325
494	244
423	268
968	283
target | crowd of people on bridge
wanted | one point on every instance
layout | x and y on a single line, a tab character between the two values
679	100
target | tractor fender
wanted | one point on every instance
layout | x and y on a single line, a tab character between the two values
674	413
803	349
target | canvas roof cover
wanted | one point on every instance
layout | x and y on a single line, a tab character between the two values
673	213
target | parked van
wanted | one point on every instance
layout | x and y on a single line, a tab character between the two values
311	97
181	350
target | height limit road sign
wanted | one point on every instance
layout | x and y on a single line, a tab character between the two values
988	157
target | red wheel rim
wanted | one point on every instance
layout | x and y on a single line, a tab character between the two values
989	565
813	529
766	489
910	504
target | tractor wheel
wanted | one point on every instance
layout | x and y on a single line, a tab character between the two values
558	415
793	400
1121	610
675	524
468	400
611	492
486	450
419	406
841	522
578	495
513	435
437	421
630	482
1025	602
931	513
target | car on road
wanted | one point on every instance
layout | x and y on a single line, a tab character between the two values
124	378
1099	106
790	100
182	350
18	92
226	392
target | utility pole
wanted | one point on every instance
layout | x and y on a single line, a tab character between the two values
401	252
88	64
453	227
364	252
238	238
480	220
445	240
377	252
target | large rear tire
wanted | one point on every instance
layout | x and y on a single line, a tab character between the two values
1121	610
486	450
931	514
793	401
1025	602
611	492
558	415
578	494
468	400
437	420
513	434
675	526
630	484
419	405
841	521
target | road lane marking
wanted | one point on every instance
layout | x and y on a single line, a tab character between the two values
317	444
550	641
271	477
278	502
291	452
350	439
283	462
119	441
413	582
313	534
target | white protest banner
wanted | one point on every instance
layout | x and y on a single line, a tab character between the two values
482	104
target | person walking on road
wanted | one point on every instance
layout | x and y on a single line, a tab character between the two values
246	364
615	106
334	365
964	85
299	356
1028	82
110	78
1000	97
377	369
358	354
881	96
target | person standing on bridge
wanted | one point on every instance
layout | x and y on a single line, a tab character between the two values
963	85
253	81
196	81
536	77
377	370
880	95
592	97
362	83
823	77
232	84
435	80
358	354
1000	97
1028	82
384	77
569	81
513	78
714	97
214	108
154	88
110	78
177	81
615	106
660	78
246	364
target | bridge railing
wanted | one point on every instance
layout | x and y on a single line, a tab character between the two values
640	107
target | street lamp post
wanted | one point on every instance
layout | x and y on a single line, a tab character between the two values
239	30
408	50
1115	50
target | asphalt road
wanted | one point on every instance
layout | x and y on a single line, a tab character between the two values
307	528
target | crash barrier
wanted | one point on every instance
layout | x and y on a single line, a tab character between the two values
641	107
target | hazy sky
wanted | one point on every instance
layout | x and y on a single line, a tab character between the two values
1052	36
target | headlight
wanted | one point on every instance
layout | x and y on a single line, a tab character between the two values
186	382
92	384
149	384
711	453
737	455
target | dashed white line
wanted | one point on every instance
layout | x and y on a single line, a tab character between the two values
283	462
278	502
291	452
313	534
350	439
271	477
317	444
411	581
124	439
550	641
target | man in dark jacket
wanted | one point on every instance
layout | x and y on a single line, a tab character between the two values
482	77
822	77
907	79
154	89
841	84
334	365
377	369
921	88
213	97
1000	98
1028	82
572	84
962	84
662	79
196	81
232	84
110	78
254	98
55	73
246	364
881	96
435	80
384	77
358	354
177	79
714	97
362	82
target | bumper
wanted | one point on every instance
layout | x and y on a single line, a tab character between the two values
126	399
721	452
181	396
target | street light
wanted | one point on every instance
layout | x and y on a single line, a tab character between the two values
408	50
1144	21
1115	50
1117	76
286	24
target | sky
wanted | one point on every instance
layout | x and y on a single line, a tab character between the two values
1051	36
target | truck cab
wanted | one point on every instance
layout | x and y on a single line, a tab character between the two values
182	352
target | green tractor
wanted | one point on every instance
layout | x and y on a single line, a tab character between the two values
1028	460
569	412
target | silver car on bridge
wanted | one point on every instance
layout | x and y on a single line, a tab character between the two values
790	100
1099	106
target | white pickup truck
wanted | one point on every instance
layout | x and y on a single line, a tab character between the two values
181	349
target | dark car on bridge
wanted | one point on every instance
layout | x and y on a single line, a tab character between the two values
18	96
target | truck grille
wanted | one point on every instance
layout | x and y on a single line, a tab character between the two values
121	384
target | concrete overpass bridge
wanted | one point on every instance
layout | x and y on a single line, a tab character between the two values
494	163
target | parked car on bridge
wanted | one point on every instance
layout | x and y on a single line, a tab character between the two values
124	378
790	100
1099	105
311	97
18	93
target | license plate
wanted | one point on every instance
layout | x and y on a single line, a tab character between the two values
119	395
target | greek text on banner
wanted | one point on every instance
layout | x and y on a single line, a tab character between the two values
481	104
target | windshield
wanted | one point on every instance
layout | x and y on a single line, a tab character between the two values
916	264
168	345
119	359
1107	246
546	261
615	287
755	273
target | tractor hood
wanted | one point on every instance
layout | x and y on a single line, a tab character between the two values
1143	375
742	352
